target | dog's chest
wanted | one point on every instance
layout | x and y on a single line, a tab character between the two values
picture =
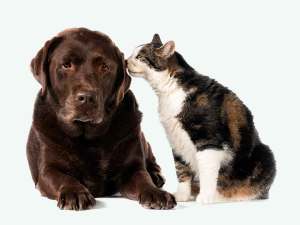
170	105
97	171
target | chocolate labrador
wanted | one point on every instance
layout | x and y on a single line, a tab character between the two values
85	140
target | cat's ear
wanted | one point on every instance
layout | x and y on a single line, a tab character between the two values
156	40
167	50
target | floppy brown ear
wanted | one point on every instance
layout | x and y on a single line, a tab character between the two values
40	63
123	80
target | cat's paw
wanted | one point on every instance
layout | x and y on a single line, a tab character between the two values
181	196
207	198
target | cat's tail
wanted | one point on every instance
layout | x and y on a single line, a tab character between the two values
264	170
252	176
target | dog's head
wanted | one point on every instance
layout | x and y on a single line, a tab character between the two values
83	74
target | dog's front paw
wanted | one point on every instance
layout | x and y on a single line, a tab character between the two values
75	199
155	198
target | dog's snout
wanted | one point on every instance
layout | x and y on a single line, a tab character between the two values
86	98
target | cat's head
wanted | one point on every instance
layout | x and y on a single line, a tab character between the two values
152	57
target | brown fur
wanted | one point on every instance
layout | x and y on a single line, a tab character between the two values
195	188
236	117
183	172
239	190
79	147
202	100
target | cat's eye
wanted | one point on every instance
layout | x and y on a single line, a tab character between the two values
141	58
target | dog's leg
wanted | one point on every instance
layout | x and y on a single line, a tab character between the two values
209	163
68	192
155	172
152	167
140	187
137	183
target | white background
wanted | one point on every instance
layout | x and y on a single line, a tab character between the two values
250	46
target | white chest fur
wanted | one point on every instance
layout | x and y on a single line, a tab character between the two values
171	101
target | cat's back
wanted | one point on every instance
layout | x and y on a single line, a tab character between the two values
204	93
195	83
190	89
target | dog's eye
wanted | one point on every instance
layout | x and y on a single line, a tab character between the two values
67	65
104	67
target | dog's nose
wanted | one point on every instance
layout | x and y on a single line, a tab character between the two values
126	62
86	98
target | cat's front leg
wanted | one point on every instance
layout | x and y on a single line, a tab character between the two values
184	176
209	164
183	193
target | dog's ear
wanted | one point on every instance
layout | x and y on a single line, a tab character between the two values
40	63
123	81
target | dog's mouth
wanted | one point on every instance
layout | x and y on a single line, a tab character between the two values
87	121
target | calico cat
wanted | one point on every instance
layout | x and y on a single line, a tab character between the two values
215	144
